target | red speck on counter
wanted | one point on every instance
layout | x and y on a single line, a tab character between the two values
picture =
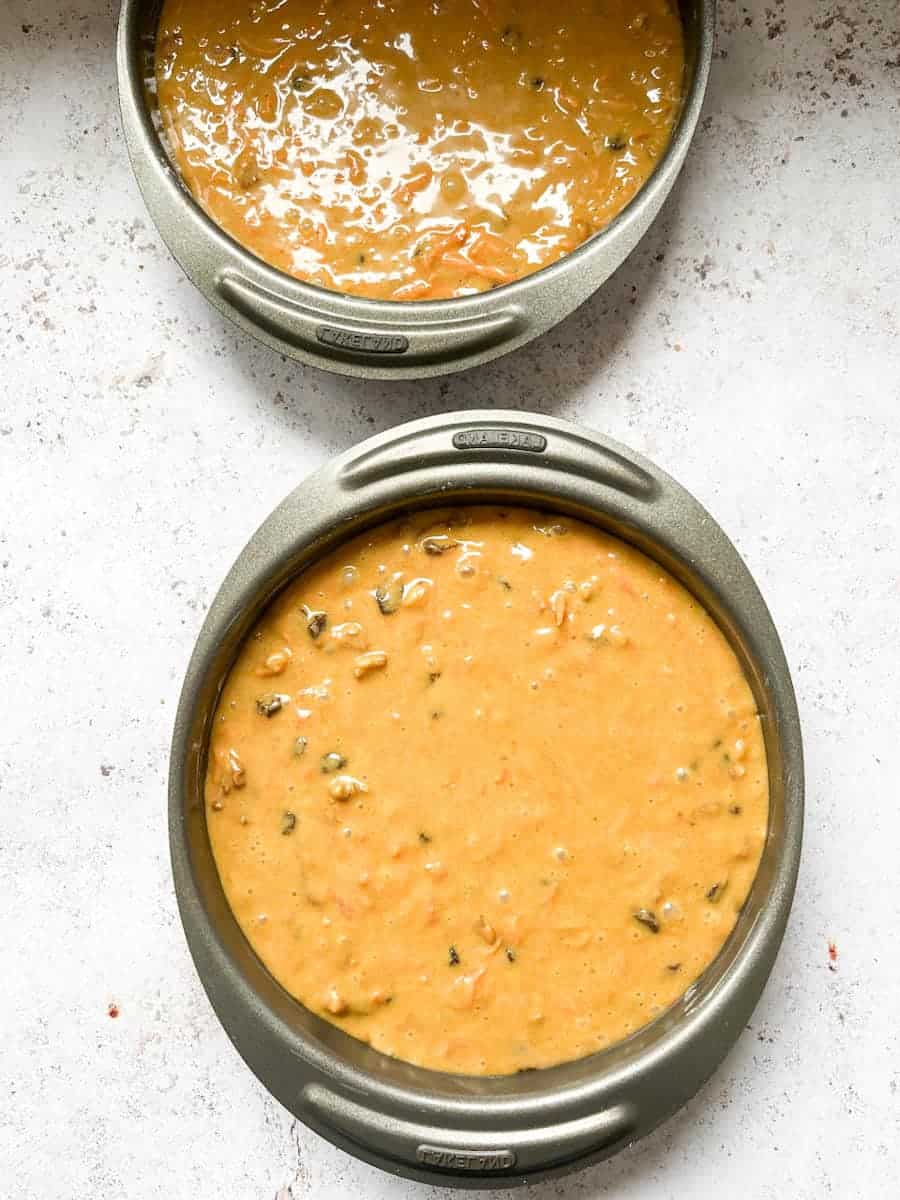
113	1010
832	956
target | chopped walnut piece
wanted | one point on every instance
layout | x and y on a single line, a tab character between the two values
559	606
374	660
335	1002
345	787
275	664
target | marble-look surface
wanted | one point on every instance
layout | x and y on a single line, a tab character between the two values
750	346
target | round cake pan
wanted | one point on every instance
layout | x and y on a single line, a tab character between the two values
463	1130
374	338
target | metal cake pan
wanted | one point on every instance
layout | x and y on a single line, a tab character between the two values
381	339
423	1124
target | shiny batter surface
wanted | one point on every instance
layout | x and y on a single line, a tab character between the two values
407	149
487	789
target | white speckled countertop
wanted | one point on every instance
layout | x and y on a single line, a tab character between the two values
750	346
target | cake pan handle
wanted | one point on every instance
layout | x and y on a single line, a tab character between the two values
377	342
519	1149
467	444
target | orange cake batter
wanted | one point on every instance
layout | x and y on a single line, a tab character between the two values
487	789
407	149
